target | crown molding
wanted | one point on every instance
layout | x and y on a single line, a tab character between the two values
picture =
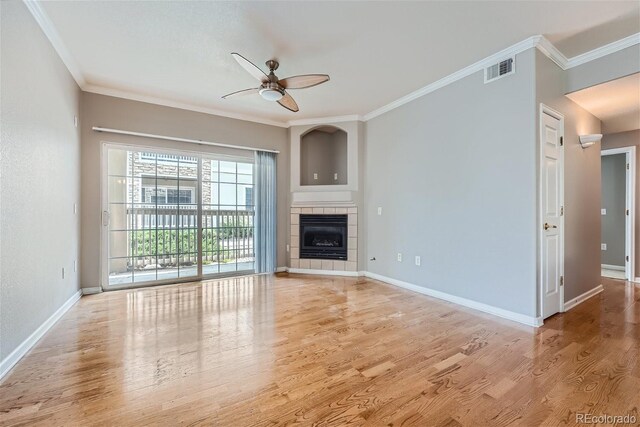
453	77
539	42
325	120
551	52
605	50
50	31
100	90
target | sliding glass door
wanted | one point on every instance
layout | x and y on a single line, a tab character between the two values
227	216
172	217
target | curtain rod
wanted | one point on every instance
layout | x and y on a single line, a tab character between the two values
173	138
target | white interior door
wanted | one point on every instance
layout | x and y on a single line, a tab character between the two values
552	210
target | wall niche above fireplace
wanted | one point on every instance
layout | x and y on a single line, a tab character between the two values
343	158
323	157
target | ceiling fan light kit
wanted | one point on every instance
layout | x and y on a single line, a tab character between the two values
273	89
271	92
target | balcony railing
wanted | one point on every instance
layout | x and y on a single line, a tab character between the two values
167	235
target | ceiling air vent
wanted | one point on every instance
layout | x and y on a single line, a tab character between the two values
501	69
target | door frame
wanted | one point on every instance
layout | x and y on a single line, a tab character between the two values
545	109
630	201
104	232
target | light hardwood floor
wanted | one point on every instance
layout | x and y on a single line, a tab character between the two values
325	350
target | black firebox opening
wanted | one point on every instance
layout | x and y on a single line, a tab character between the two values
323	236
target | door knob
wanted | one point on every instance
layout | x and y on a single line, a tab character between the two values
548	226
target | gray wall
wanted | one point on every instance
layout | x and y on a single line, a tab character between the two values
40	169
619	64
614	199
455	174
581	181
629	139
106	111
323	153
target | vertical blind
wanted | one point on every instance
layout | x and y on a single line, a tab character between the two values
265	216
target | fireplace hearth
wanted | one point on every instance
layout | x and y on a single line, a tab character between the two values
323	237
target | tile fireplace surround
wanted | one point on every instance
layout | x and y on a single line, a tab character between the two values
348	267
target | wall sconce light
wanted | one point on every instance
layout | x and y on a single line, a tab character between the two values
589	140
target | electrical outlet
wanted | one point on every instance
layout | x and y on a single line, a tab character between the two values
603	211
417	260
287	248
379	211
603	246
315	175
399	257
335	176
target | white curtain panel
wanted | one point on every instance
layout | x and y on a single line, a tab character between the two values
265	219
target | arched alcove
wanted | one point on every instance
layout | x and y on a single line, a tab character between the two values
323	156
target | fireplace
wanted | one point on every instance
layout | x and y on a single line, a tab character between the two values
323	237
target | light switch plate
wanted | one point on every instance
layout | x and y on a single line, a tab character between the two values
315	176
379	211
603	246
603	211
417	260
399	257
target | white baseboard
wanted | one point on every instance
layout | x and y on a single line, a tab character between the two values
486	308
637	280
582	298
613	267
17	354
325	272
281	269
91	291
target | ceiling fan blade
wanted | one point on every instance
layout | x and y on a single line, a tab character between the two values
303	81
288	103
241	93
251	67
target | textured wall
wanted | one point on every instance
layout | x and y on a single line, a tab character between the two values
323	153
455	175
40	169
607	68
581	181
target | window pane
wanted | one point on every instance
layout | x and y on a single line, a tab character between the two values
210	193
227	194
228	167
245	168
245	196
245	179
118	162
227	177
120	271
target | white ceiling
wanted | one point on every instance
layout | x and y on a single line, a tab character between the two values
615	103
375	52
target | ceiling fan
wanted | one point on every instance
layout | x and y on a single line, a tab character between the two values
272	88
